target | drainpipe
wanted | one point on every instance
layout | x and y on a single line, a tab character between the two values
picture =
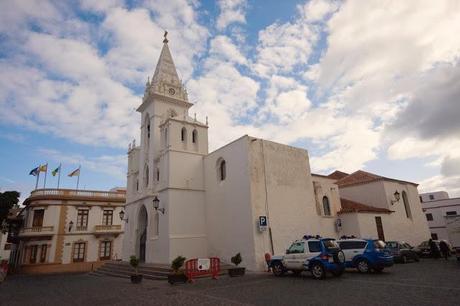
267	211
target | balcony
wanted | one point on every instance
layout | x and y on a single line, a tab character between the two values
36	231
72	194
114	229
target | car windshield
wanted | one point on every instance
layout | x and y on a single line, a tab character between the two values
379	244
331	244
392	244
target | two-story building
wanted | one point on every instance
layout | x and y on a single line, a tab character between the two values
438	207
68	230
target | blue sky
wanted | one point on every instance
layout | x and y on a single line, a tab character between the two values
360	85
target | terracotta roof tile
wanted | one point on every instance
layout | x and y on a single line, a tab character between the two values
363	177
349	206
337	175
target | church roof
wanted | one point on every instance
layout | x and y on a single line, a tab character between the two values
165	80
337	175
349	206
362	177
165	69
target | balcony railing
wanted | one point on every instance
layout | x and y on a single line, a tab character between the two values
37	229
107	228
78	193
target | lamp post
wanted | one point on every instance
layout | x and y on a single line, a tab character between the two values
122	216
156	205
397	197
70	225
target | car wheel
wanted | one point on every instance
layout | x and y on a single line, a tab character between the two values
404	259
363	266
278	269
317	270
297	272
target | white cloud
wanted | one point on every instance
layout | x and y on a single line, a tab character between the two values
223	48
318	10
231	11
112	165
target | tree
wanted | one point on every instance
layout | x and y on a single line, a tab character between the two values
7	200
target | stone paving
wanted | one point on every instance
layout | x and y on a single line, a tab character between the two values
429	282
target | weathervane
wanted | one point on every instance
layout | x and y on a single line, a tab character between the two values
166	39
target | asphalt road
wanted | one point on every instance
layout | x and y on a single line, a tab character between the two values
428	282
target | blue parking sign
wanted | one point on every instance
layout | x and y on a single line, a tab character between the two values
262	223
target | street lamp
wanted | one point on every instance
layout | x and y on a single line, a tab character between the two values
397	197
122	216
156	205
70	225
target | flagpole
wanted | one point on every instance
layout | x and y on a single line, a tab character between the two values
78	178
59	177
36	182
46	172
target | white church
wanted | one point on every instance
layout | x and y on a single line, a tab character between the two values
183	200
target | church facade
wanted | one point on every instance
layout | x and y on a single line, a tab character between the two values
210	204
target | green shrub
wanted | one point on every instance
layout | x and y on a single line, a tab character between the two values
134	262
177	263
236	260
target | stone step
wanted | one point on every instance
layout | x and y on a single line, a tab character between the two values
149	271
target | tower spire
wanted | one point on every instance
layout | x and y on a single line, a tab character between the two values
165	79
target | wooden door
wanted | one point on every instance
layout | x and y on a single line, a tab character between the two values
378	223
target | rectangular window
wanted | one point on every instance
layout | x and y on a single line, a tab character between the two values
33	254
429	217
106	250
431	197
38	218
82	219
451	213
434	236
79	251
43	250
314	246
107	217
296	248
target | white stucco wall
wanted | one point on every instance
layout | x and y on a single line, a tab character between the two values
438	209
229	219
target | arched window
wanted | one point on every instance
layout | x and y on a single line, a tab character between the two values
166	136
183	134
406	204
146	176
147	127
326	206
158	174
195	136
156	225
222	170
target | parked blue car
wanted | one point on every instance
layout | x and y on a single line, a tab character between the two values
366	254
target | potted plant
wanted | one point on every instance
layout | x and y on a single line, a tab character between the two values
236	271
177	275
136	278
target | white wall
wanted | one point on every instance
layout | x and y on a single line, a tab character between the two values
434	196
438	209
229	219
372	194
288	200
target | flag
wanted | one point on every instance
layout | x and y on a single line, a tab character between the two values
75	172
55	171
34	171
43	168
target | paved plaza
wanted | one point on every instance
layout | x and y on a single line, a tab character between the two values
429	282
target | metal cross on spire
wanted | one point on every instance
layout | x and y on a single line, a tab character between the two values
165	36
